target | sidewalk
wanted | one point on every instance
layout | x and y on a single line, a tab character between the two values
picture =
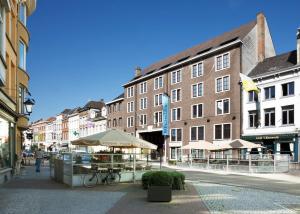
34	193
293	176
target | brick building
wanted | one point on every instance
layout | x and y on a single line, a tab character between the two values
203	85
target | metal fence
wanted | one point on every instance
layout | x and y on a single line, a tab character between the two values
252	164
70	168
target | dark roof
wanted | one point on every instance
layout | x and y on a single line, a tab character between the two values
119	97
225	38
94	105
275	63
74	110
66	111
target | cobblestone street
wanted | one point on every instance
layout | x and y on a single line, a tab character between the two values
223	199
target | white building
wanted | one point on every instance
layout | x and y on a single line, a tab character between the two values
273	116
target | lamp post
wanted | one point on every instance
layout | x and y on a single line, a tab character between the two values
29	103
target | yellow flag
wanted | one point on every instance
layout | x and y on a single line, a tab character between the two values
248	84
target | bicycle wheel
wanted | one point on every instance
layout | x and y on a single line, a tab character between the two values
113	178
90	180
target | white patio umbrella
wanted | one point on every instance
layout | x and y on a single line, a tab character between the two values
243	144
204	145
114	138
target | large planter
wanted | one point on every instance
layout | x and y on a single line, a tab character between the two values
159	193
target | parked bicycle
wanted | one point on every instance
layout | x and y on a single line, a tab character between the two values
109	176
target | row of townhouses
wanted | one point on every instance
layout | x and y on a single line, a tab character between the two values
56	133
207	101
14	79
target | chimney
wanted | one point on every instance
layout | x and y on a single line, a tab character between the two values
298	46
138	71
260	21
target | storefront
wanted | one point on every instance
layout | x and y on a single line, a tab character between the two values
278	144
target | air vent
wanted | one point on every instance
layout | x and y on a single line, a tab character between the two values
183	59
203	51
228	41
165	66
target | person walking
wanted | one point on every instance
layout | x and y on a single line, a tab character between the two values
38	160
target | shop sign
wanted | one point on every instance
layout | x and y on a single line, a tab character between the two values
165	115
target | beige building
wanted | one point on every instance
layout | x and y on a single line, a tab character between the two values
14	42
202	83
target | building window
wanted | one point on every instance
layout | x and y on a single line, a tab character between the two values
197	90
270	93
197	110
143	88
222	84
2	31
288	115
222	106
197	70
175	153
143	119
288	89
197	133
270	117
21	99
130	92
222	61
252	96
143	103
253	119
130	121
222	131
114	122
176	114
120	122
22	14
158	82
176	135
22	57
157	99
176	77
130	106
176	95
158	117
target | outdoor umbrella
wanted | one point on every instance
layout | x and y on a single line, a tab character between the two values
205	145
114	138
243	144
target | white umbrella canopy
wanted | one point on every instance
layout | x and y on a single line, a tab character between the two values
243	144
114	138
204	145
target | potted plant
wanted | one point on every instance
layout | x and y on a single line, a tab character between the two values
160	187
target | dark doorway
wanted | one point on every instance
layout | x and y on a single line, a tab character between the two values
154	137
270	146
285	148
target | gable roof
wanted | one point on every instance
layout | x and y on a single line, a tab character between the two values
275	63
225	38
94	105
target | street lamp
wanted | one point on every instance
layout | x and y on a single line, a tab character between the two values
29	103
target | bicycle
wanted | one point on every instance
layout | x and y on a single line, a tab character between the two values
112	176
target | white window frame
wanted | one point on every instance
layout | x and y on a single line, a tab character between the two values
269	88
130	121
158	116
176	77
287	109
216	107
251	113
24	54
159	99
197	72
197	132
222	134
143	87
222	61
130	106
176	110
288	86
176	90
143	103
197	90
222	84
23	6
158	81
143	119
266	110
176	136
197	110
130	91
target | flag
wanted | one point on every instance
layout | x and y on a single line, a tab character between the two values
248	84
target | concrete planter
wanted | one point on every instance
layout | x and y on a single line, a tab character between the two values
159	193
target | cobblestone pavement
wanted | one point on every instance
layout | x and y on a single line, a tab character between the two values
223	199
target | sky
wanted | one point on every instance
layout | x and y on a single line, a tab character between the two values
84	50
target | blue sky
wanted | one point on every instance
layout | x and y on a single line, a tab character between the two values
83	50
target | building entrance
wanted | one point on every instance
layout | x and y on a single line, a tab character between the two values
156	138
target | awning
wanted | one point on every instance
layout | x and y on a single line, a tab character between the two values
114	138
243	144
204	145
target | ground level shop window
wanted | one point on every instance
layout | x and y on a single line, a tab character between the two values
175	153
4	144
